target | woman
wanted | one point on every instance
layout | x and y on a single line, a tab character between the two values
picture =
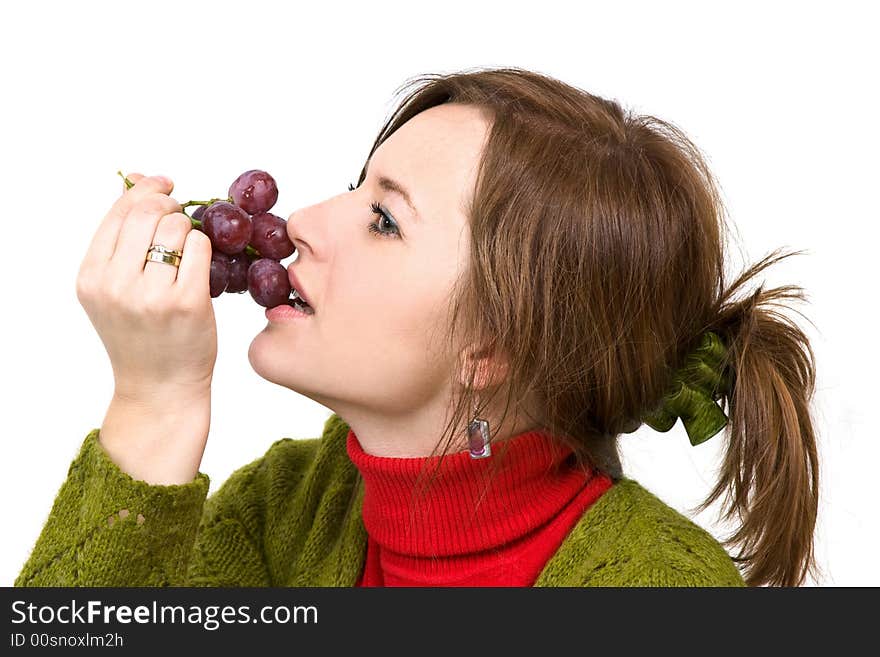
523	272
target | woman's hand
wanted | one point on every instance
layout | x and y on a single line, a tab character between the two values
156	320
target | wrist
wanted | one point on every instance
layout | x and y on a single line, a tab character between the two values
167	397
158	437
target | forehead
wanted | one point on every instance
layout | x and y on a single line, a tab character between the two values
435	155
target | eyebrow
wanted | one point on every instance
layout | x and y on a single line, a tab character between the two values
391	185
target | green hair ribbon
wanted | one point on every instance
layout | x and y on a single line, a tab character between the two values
700	381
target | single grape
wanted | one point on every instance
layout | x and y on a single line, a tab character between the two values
238	269
199	211
228	226
254	191
270	236
268	282
219	273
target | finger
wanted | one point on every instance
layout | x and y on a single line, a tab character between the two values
136	235
133	178
103	243
194	275
170	233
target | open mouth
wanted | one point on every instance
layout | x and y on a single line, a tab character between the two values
299	304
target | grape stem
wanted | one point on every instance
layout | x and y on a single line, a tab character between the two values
251	251
213	200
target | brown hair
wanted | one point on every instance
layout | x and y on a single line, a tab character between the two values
596	264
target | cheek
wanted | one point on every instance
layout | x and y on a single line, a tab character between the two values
419	315
392	303
398	318
398	321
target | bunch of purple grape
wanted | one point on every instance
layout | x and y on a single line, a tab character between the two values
247	241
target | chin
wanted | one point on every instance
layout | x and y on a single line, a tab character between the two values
267	362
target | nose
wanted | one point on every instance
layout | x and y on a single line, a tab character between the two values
294	232
308	227
290	226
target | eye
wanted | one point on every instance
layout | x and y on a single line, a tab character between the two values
375	227
383	216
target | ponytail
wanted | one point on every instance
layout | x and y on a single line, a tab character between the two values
770	467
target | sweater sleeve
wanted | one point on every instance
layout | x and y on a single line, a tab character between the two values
106	528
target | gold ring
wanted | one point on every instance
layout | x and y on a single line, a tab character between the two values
164	249
159	253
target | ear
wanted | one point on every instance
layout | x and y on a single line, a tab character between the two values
491	367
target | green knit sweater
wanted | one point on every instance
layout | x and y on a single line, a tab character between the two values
293	518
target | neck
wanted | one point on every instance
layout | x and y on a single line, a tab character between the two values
415	435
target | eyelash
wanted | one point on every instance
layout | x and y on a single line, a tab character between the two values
374	227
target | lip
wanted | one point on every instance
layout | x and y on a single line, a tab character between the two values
297	285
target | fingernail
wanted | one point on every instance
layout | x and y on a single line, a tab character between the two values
165	180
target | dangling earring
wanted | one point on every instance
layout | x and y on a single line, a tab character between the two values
478	437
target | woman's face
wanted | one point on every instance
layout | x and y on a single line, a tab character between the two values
375	351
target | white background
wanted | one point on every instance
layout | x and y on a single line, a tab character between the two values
781	97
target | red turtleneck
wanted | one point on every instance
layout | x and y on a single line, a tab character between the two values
534	501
